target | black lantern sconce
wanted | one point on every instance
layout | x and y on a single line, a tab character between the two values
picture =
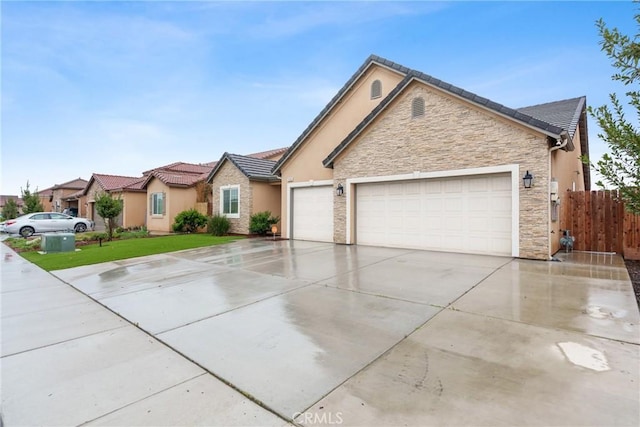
527	180
339	190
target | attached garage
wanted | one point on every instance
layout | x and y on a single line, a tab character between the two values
312	213
470	214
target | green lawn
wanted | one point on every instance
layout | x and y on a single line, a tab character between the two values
123	249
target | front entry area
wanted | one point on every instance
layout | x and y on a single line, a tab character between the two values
468	214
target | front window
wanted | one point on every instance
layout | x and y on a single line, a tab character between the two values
229	201
157	204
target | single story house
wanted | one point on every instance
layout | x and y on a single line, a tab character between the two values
127	188
399	158
171	189
69	196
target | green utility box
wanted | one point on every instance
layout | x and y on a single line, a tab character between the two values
58	242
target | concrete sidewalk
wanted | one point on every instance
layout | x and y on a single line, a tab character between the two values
67	360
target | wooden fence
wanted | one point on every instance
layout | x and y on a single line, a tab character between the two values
599	223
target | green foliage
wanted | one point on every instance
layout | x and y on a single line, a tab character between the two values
30	201
621	167
109	209
218	225
10	210
189	221
261	222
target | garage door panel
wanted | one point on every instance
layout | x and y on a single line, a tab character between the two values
463	214
313	213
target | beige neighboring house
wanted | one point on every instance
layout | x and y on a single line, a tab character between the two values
127	188
69	196
172	189
401	159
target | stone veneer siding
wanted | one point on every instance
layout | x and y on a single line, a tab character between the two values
229	174
451	135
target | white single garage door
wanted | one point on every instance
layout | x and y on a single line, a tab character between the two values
470	214
313	213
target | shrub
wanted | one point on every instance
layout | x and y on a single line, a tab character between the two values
261	222
189	221
218	225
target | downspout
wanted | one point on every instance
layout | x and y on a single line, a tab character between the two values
560	143
564	136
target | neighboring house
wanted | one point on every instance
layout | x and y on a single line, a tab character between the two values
172	189
242	186
401	159
127	188
69	196
4	198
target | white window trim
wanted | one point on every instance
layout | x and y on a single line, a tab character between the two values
222	189
514	169
158	215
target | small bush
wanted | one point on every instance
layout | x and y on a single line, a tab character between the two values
218	225
189	221
261	222
134	233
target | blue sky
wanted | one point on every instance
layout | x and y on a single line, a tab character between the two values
123	87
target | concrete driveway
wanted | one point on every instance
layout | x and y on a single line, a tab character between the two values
326	334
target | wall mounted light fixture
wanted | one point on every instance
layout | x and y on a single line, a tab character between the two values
527	180
339	190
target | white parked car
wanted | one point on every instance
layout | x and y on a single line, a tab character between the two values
42	222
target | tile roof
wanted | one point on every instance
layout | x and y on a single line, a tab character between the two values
253	168
47	192
270	153
175	178
115	183
75	196
564	114
183	167
548	123
77	184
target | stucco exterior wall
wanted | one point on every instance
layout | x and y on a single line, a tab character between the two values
266	197
451	135
228	174
566	168
177	199
134	209
306	163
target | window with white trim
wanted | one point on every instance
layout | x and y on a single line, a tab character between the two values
157	201
376	89
230	201
417	107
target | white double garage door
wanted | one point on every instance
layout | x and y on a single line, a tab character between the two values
468	214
